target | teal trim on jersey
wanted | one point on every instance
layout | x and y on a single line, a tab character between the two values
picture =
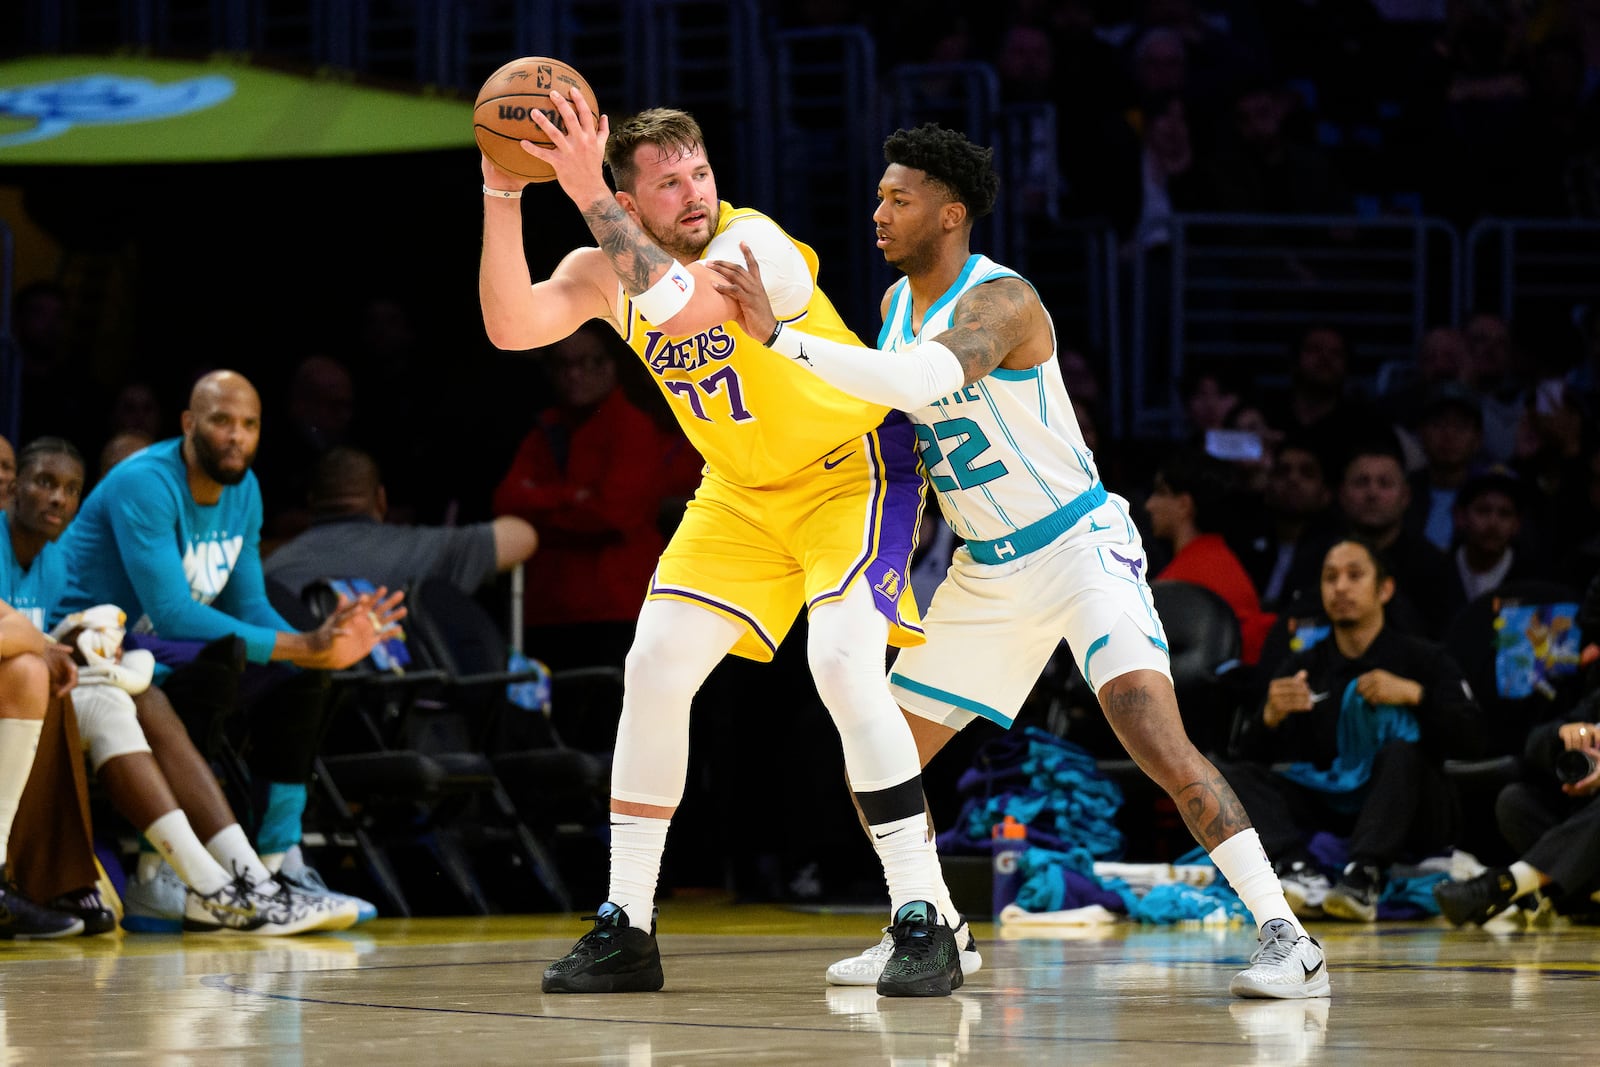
1037	535
1100	642
1104	640
1014	375
950	698
955	290
900	294
1027	464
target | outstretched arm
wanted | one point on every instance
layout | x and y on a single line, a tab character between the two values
990	322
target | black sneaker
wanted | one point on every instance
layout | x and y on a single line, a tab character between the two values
90	906
1356	896
23	920
925	961
614	957
1476	900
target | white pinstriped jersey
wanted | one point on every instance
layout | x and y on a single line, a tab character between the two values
1005	451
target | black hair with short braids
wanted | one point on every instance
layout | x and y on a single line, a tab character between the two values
948	158
47	446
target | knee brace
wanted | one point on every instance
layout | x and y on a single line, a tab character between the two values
107	723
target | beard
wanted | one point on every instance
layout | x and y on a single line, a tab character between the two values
678	245
210	461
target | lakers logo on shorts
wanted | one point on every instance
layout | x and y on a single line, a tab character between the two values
889	585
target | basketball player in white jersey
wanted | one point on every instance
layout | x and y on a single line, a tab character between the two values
968	350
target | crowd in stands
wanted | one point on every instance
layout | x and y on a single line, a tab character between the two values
1364	539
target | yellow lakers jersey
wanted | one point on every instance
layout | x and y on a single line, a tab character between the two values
756	417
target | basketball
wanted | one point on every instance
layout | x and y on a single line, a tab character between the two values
502	117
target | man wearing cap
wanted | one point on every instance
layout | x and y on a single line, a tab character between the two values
1488	518
1450	432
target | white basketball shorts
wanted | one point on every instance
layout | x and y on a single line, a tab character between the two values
992	627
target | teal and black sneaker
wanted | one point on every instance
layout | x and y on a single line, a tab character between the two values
924	961
614	957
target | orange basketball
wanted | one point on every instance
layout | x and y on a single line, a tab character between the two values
502	117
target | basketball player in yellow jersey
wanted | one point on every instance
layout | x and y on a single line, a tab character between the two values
810	497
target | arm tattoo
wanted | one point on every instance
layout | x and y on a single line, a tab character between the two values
990	321
632	254
1211	810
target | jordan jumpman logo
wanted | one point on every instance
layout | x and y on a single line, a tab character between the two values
1132	564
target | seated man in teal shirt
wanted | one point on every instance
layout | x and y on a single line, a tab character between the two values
171	536
141	754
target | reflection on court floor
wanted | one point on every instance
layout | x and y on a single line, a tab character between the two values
744	985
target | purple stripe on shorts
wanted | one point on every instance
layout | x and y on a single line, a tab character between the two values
898	488
701	598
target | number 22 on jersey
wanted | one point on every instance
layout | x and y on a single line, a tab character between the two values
961	443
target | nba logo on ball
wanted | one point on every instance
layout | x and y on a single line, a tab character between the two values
504	114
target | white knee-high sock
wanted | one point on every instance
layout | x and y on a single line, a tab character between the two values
1243	862
19	740
636	847
175	839
909	867
231	848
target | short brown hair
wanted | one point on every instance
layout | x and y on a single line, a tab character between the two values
665	127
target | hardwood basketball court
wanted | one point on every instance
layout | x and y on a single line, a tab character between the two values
745	986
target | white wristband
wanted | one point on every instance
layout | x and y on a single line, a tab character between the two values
504	194
668	296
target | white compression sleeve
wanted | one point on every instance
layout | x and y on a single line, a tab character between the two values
906	380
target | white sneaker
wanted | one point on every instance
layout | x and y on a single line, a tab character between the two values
1286	966
1305	888
305	880
271	910
156	906
865	968
334	912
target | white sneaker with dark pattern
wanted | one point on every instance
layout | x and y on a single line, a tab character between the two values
1288	965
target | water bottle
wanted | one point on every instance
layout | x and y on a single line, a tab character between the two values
1008	839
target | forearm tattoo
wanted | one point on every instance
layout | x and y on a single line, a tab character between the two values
632	254
990	321
1211	810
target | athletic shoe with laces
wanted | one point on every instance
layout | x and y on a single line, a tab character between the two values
614	957
1304	887
1476	900
924	960
271	909
332	911
865	968
155	906
339	910
23	920
1356	896
304	878
1286	966
88	905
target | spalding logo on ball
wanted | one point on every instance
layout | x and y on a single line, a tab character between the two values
502	117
